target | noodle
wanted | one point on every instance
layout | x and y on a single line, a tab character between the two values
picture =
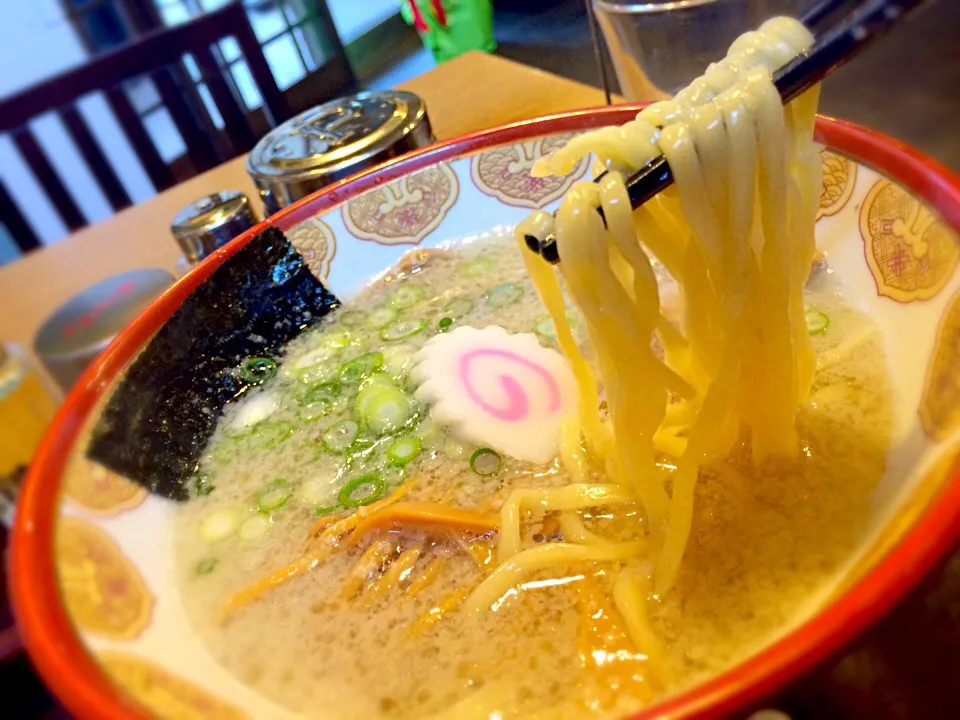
502	580
630	596
571	497
571	452
574	530
736	233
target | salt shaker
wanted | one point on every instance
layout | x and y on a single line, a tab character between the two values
210	222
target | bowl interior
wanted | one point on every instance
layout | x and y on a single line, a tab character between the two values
884	224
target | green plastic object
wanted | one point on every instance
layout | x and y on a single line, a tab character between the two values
449	28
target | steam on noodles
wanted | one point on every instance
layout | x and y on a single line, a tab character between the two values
736	232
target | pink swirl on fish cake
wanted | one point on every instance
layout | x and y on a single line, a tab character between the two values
518	403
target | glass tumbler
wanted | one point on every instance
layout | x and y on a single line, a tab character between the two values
26	409
659	46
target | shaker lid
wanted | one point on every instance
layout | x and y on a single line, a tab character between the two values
206	224
350	131
209	213
91	318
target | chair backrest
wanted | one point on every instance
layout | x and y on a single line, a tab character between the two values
159	56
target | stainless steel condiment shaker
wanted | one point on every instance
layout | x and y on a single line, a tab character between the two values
209	223
82	327
333	141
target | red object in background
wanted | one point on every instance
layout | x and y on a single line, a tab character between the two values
418	20
73	675
439	12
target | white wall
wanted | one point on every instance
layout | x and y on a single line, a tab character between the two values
36	41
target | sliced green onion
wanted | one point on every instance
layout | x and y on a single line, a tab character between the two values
367	394
817	322
385	411
338	339
326	510
268	435
361	449
545	329
255	527
458	307
503	295
206	566
381	317
403	450
219	524
397	359
319	400
479	266
352	373
256	370
370	487
341	436
444	324
317	374
370	361
377	379
202	485
352	318
311	412
406	296
274	496
485	462
402	329
323	393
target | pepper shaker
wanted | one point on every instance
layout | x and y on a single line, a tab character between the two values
209	223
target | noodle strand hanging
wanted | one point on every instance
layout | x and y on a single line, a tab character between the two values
735	234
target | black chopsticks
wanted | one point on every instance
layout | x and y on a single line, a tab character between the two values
835	44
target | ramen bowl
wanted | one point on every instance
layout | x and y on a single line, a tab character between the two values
92	568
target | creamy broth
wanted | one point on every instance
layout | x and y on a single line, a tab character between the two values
767	541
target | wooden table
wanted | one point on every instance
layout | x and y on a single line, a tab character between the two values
473	92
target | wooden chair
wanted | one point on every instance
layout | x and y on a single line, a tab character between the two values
159	56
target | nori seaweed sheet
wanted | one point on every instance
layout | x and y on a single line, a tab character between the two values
165	408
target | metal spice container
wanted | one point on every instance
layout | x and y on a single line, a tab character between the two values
333	141
76	333
210	222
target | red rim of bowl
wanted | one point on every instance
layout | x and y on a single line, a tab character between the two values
86	691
